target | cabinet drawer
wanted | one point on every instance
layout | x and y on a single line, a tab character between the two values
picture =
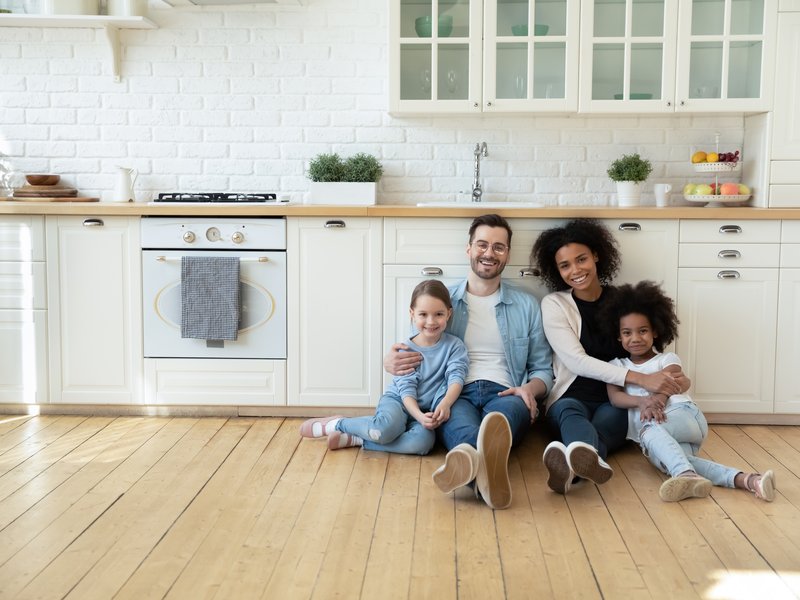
790	232
733	232
784	196
728	255
790	256
21	237
23	370
22	285
784	171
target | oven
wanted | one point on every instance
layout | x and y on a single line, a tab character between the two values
247	370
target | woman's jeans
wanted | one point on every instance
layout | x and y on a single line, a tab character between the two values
391	429
600	424
477	400
672	445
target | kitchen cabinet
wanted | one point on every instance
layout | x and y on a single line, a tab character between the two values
95	312
787	391
728	308
483	56
334	320
23	310
677	55
109	24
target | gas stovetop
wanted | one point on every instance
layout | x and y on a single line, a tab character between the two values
217	197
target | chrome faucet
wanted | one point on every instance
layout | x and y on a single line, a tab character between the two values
477	192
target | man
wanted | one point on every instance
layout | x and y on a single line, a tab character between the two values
510	368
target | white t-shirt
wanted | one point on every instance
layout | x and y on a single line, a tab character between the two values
654	365
487	358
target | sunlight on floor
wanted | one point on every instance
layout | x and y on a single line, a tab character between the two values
741	585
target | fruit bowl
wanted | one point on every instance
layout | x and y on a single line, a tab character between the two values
717	198
718	167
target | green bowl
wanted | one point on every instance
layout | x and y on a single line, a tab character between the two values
540	29
635	96
422	26
523	29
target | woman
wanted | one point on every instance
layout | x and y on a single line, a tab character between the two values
578	261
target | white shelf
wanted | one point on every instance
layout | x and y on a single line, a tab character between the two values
110	25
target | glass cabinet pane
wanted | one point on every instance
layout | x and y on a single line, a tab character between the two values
453	68
744	73
608	63
454	16
549	70
415	71
705	69
551	18
512	17
647	18
416	20
747	17
609	18
646	61
512	70
708	17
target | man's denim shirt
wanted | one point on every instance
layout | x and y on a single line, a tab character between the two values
519	318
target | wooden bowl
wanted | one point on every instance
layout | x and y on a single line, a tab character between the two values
42	179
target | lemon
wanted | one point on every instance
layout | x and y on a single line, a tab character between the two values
699	157
712	157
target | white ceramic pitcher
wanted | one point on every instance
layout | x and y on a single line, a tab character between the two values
125	179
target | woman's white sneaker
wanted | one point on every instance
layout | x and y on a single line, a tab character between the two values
585	462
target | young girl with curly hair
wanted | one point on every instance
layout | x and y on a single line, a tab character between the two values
669	430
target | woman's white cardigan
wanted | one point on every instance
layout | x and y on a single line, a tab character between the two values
562	327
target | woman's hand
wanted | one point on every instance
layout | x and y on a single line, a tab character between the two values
401	362
661	382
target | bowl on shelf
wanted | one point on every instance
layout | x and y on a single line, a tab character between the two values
423	26
42	179
522	29
716	199
635	96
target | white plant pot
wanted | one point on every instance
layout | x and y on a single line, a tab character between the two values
629	193
342	193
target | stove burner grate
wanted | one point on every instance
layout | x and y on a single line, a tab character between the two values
215	197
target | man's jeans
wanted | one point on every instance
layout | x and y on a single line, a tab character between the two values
477	400
391	429
600	424
672	445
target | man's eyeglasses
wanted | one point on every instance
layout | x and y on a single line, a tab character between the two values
497	247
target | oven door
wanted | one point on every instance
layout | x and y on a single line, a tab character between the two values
262	324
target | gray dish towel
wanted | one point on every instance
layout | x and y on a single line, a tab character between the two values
209	297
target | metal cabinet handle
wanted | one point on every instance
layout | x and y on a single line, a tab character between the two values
431	272
629	227
337	223
729	254
728	275
529	272
93	223
730	229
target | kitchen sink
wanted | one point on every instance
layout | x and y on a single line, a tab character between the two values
487	205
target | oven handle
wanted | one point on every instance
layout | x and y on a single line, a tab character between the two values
261	259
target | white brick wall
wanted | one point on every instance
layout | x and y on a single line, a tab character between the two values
240	98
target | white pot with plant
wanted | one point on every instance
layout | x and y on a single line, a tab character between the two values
337	181
629	172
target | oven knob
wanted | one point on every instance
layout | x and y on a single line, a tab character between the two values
237	237
188	237
213	234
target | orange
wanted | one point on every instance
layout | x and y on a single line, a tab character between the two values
712	157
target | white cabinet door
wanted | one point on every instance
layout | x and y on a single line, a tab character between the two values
649	251
94	295
23	368
786	114
787	390
334	319
727	341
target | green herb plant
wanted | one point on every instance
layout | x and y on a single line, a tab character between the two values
631	167
361	168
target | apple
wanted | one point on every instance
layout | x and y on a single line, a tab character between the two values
704	190
690	189
713	188
729	189
744	190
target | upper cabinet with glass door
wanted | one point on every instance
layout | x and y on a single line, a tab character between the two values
435	56
677	55
531	55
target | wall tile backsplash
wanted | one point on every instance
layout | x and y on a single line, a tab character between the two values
240	98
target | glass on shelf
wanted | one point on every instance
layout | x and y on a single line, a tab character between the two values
705	69
453	68
549	69
415	71
512	70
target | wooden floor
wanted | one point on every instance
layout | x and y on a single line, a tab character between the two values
103	507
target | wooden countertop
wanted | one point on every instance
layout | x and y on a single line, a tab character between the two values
13	207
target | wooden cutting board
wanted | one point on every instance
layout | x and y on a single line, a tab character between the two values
58	199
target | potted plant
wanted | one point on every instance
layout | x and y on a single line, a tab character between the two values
629	171
337	181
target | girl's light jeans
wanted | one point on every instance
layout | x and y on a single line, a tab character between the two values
672	445
391	429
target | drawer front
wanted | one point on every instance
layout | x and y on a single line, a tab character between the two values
21	237
790	256
22	285
790	232
730	232
729	255
784	196
784	171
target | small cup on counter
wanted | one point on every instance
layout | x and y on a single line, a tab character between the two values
661	192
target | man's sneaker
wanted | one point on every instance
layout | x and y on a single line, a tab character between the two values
585	462
494	446
560	474
459	468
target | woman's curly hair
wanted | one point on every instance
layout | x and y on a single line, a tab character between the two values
645	298
588	232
